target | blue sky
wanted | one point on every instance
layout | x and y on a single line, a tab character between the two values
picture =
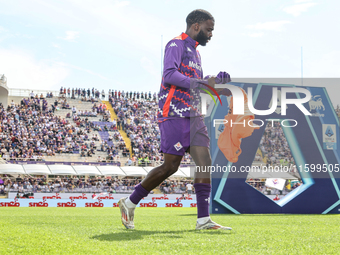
117	44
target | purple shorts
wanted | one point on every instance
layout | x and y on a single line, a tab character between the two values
177	135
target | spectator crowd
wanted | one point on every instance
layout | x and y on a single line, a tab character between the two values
78	184
138	118
274	146
29	184
32	130
95	94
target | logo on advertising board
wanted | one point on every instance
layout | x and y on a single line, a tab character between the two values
14	203
316	106
329	136
40	204
173	205
150	204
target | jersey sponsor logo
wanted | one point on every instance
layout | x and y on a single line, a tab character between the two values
172	45
195	65
178	146
189	49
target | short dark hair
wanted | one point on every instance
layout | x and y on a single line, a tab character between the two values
198	16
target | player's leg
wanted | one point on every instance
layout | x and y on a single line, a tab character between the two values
201	156
160	173
202	159
155	178
151	181
174	142
199	150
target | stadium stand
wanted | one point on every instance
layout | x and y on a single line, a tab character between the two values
138	118
3	90
91	130
79	178
77	135
274	146
73	126
75	184
274	151
28	184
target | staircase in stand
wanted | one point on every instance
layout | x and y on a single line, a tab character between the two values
121	131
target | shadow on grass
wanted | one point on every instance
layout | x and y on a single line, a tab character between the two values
131	235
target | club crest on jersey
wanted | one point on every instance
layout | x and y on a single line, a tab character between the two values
178	146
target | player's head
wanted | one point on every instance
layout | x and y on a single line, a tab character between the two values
200	23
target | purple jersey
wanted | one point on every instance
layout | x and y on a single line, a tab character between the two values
182	66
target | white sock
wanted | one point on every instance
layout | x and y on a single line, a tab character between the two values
129	204
203	220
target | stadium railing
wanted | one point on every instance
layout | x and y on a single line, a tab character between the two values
119	190
124	162
26	92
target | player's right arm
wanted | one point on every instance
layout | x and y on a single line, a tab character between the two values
172	61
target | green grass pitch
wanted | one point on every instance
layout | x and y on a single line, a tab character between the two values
162	231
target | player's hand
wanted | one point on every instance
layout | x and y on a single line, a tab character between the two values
212	81
222	78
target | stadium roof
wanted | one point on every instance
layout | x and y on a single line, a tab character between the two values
86	170
134	171
111	170
11	169
179	173
36	169
186	171
62	170
148	168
